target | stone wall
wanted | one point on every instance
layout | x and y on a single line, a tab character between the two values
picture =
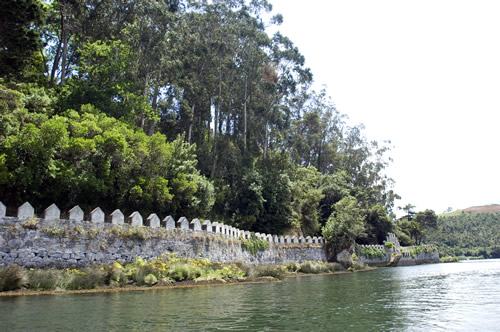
405	256
51	241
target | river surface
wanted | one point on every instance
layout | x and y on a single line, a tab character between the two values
463	296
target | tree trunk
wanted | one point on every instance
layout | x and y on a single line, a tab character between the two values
266	138
216	123
58	52
190	127
64	56
245	115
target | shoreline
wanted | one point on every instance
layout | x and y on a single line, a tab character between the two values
183	284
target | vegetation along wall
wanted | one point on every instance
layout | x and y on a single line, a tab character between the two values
73	241
392	253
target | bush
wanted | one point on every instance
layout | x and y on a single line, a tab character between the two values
267	270
90	277
12	277
254	244
448	259
369	252
44	279
389	244
358	265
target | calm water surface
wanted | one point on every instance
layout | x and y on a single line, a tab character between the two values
462	296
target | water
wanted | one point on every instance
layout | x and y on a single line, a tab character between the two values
462	296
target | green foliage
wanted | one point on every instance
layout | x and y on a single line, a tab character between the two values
467	234
179	109
344	224
12	277
448	259
44	279
389	244
254	245
369	252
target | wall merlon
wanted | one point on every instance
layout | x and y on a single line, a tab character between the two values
153	221
169	222
25	211
117	217
195	225
52	213
97	216
3	210
76	213
135	219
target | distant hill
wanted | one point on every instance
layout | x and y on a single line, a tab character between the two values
483	209
492	208
474	231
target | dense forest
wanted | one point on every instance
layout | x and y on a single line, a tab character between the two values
182	108
467	234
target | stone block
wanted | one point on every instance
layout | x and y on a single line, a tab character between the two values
281	239
3	210
117	217
97	216
25	211
183	224
76	214
302	239
52	213
287	239
309	239
195	225
135	219
247	235
295	239
276	239
315	239
321	240
269	238
207	226
169	222
153	221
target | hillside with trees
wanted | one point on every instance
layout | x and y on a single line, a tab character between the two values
467	234
179	108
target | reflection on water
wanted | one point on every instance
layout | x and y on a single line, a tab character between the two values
454	296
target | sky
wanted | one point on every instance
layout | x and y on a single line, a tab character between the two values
423	74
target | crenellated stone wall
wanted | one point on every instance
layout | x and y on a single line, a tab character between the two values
404	256
51	241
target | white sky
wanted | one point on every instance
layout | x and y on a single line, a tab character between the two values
424	74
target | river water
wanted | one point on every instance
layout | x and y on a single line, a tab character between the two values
463	296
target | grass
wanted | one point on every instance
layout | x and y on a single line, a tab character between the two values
162	271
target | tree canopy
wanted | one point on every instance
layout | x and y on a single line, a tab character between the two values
182	107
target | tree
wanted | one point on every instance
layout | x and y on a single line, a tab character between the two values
409	209
20	43
344	225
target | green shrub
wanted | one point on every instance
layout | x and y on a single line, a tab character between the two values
293	267
150	280
389	244
254	244
369	252
44	279
54	231
358	265
335	267
12	277
448	259
90	277
267	270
